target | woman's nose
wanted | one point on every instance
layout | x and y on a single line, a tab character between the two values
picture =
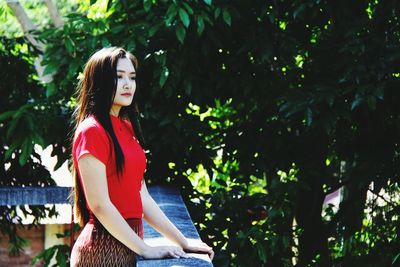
127	83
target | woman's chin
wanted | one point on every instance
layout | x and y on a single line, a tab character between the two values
124	103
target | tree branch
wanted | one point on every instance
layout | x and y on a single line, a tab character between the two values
54	15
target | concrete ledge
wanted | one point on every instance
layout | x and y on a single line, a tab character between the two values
171	203
34	195
169	200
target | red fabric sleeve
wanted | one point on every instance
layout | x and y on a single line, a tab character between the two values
92	140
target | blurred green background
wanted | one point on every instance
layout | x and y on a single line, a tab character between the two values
255	110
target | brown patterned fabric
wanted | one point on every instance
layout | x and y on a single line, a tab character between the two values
95	246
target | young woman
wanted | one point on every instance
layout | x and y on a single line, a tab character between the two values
110	196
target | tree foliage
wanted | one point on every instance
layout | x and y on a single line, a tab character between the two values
19	131
264	107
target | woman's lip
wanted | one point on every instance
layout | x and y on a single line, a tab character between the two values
126	94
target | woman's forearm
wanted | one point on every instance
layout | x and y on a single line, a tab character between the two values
116	225
157	219
99	202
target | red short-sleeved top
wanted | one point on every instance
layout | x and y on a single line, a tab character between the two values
124	191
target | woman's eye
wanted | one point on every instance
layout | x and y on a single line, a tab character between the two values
132	78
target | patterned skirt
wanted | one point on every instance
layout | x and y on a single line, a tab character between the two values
95	246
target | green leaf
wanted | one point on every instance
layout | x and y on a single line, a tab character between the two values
37	257
31	121
309	116
50	89
208	2
227	17
61	259
117	28
153	30
200	25
164	76
92	43
171	13
356	102
147	5
11	128
6	115
299	11
48	255
161	58
217	12
188	8
180	33
261	253
183	15
105	42
50	68
131	45
46	34
19	112
11	149
26	151
58	235
395	258
206	18
37	139
73	67
70	45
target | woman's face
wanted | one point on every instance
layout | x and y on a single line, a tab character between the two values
126	85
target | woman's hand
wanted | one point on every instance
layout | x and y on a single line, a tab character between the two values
199	248
164	252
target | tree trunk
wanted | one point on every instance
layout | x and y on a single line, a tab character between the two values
54	15
313	240
28	26
351	213
26	23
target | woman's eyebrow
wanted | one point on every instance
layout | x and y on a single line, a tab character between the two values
125	71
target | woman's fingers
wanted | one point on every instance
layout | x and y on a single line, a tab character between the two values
201	248
181	253
211	254
176	252
172	254
207	250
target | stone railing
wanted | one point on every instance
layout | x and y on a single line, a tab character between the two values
168	199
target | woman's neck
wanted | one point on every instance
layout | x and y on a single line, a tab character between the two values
115	111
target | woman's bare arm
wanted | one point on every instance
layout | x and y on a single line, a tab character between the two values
159	221
94	179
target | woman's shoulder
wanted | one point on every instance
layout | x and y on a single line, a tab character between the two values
90	125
